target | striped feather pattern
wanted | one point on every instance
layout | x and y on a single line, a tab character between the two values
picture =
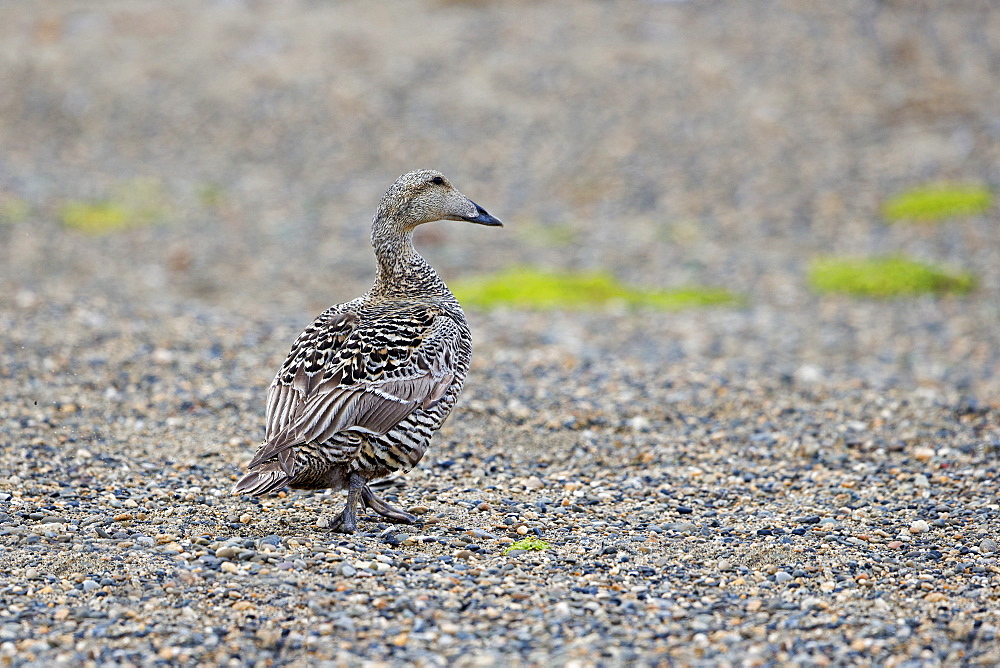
366	385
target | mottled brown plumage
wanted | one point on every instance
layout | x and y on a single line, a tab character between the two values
368	383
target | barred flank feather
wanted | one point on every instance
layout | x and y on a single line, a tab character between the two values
263	479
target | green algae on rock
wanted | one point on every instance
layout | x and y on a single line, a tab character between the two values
94	217
530	288
536	544
140	201
934	202
893	276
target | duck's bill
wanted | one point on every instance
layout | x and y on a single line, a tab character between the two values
484	218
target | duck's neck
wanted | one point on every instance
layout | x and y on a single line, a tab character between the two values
400	271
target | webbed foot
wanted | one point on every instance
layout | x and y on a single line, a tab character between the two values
347	520
386	510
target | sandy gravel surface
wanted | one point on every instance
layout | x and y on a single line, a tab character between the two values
796	480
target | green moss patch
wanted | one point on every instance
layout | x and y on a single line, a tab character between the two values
532	289
94	217
13	211
938	201
527	544
211	195
136	202
885	277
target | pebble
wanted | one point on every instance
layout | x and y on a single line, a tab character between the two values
227	552
919	526
534	483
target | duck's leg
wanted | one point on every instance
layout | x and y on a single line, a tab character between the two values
347	520
384	509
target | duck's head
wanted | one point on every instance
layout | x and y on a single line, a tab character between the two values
426	195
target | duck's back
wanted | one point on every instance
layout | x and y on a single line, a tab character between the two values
365	387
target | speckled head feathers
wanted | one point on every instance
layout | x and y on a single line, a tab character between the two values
426	195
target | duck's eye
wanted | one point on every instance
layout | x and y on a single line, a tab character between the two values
438	181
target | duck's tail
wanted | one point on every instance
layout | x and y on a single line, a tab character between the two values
262	479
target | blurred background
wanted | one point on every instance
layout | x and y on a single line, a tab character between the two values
232	153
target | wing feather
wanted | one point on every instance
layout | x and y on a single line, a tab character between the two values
314	404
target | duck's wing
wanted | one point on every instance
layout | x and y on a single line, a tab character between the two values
312	353
379	374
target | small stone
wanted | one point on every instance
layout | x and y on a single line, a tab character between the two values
243	605
782	576
919	526
479	533
987	546
534	483
395	539
522	530
921	481
418	510
229	567
463	554
245	518
811	603
923	454
808	374
348	570
90	585
227	552
640	423
681	527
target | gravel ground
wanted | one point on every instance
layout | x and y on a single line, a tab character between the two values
797	480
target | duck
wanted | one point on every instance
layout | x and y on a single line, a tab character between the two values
366	386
